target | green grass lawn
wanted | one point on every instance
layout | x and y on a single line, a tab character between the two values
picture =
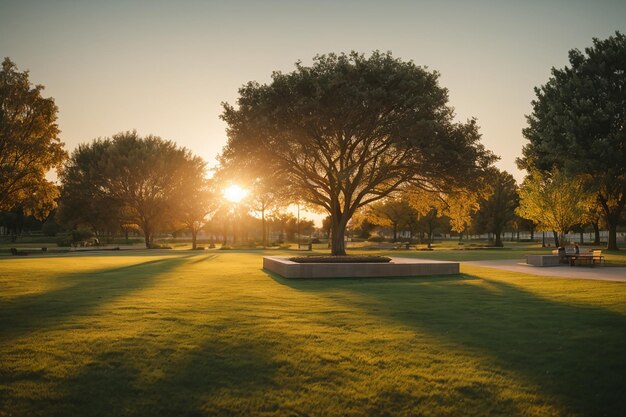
183	333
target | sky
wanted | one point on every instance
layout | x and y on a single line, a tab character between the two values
165	67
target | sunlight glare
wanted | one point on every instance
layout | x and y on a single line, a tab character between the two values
235	193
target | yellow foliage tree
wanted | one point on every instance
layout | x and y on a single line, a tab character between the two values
554	201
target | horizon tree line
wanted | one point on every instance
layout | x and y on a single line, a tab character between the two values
347	135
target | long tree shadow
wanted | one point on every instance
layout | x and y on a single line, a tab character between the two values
83	292
573	352
120	383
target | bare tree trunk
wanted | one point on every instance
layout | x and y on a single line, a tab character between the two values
556	238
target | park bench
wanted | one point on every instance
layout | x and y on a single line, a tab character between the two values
590	258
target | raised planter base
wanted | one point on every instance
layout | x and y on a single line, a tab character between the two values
398	267
542	260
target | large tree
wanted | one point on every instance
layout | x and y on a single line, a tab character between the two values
350	130
145	180
29	142
578	124
83	201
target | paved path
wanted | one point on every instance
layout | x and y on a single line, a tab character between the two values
601	273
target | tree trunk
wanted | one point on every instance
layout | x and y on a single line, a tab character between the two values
338	247
194	236
148	238
263	229
596	232
612	216
612	243
498	239
556	239
395	232
582	236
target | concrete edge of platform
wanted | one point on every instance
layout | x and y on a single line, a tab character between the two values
398	267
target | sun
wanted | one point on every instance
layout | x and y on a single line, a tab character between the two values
235	193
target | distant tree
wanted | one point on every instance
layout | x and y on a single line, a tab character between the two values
458	207
430	222
594	217
199	202
84	201
497	208
526	225
435	209
266	195
144	179
29	143
555	201
327	226
577	124
296	229
350	130
429	208
395	213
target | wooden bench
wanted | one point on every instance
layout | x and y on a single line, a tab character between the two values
591	258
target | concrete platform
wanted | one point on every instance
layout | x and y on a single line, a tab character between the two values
398	267
542	260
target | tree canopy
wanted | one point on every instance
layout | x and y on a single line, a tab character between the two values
350	130
497	206
148	183
554	201
578	124
391	212
29	143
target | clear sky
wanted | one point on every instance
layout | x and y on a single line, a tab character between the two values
164	67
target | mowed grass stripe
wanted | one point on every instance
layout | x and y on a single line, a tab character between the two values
213	334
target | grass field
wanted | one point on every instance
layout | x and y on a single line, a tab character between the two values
183	333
